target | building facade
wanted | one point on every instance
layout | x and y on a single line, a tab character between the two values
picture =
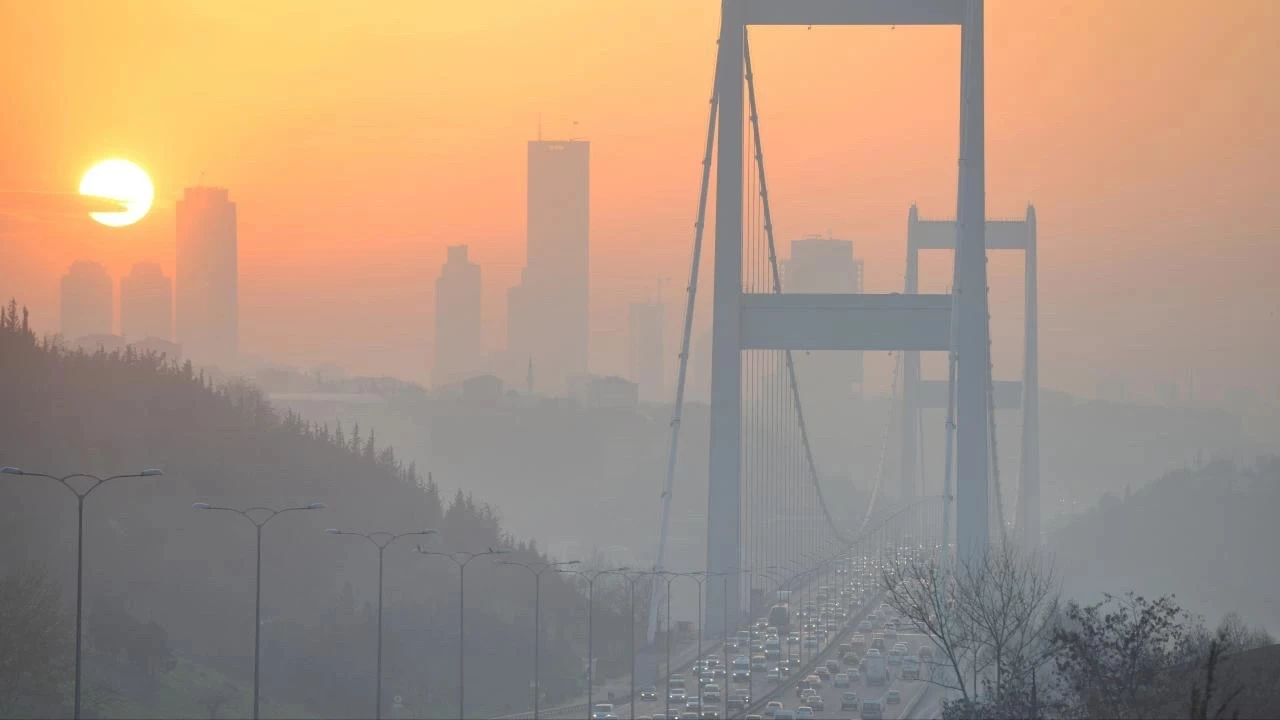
547	319
832	379
86	296
146	303
459	347
207	306
646	357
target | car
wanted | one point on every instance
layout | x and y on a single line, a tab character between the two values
676	695
694	704
690	715
864	626
784	715
794	661
711	714
648	693
772	708
854	676
603	711
810	641
840	680
774	675
823	672
895	657
738	701
815	701
890	633
893	697
804	711
815	681
849	701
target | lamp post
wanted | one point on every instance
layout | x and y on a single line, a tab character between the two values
631	582
80	496
591	577
251	514
537	569
668	576
462	559
380	540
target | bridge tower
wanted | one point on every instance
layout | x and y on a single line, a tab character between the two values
918	394
743	321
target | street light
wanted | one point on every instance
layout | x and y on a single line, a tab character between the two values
380	540
631	583
80	496
266	514
591	577
537	613
462	559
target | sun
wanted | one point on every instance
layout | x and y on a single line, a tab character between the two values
119	180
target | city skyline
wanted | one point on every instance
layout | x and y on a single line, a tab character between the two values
299	249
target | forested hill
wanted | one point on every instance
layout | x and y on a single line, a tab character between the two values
150	557
1208	534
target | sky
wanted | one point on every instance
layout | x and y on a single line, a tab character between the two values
359	139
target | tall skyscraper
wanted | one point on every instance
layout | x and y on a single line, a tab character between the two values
831	378
86	301
207	308
646	355
548	313
146	304
459	333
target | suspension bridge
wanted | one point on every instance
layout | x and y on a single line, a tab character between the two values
766	503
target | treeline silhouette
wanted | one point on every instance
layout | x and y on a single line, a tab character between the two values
1207	533
169	590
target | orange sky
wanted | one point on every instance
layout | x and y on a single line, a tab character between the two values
360	138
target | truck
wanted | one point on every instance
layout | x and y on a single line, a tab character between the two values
877	673
780	617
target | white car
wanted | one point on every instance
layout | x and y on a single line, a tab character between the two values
603	711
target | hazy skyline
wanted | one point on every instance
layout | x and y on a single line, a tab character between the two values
1141	139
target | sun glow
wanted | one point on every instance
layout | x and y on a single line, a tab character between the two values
123	181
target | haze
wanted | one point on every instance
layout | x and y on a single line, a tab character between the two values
419	270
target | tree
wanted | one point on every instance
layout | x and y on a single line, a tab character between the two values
1115	656
217	697
924	594
992	621
35	639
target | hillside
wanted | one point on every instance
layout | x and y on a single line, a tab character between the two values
186	577
1207	534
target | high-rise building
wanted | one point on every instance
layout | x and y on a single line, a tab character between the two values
146	303
86	301
547	319
832	378
207	308
459	333
647	359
